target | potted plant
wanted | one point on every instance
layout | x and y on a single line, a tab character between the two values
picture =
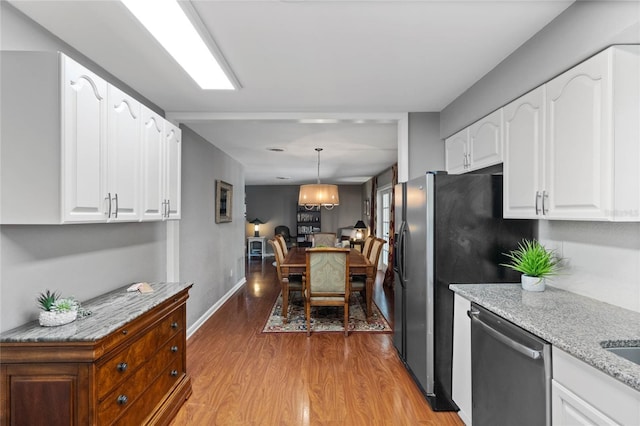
56	310
535	262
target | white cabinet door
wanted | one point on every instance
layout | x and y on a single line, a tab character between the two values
485	142
569	409
84	139
456	148
153	146
173	164
578	144
123	156
461	374
523	167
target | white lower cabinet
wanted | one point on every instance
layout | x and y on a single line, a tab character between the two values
461	364
583	395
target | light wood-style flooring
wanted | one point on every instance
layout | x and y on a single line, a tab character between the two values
244	377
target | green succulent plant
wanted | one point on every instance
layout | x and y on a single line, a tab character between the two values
533	259
47	299
65	305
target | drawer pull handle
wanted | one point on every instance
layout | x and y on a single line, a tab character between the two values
174	324
122	367
124	332
174	349
174	373
122	399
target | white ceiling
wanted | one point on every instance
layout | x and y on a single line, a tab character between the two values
348	58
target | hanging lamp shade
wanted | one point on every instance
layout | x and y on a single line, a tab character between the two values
318	194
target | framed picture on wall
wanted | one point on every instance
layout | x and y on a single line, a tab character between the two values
224	201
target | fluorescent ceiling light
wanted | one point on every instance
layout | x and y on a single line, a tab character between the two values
168	23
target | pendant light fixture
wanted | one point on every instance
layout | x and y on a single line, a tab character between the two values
317	194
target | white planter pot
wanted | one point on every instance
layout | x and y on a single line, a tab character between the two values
51	319
533	283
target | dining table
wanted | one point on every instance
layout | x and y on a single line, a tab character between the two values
295	263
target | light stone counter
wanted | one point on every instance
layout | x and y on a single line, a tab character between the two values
108	312
576	324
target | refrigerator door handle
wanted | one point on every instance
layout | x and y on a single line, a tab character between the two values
518	347
400	264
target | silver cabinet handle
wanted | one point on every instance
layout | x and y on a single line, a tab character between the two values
109	207
537	201
168	208
518	347
115	198
545	196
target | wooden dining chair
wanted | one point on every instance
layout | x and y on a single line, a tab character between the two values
283	243
326	282
289	284
324	239
366	248
358	282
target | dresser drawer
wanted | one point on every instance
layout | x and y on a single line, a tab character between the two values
118	368
165	361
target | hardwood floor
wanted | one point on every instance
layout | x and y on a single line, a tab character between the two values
243	377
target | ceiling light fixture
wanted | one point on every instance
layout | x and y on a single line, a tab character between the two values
315	195
171	27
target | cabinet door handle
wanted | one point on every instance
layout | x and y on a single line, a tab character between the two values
174	324
168	208
109	207
116	199
468	161
122	367
174	373
545	196
122	399
174	349
537	200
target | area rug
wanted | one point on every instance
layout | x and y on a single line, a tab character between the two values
325	319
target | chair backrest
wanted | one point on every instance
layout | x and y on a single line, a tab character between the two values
324	239
284	231
277	250
328	271
280	239
366	248
376	249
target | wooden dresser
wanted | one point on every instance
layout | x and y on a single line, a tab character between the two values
124	364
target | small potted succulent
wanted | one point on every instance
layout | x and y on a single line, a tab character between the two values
56	310
535	262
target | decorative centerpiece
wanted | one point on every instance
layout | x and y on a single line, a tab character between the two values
56	310
535	262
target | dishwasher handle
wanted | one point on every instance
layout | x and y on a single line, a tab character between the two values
519	347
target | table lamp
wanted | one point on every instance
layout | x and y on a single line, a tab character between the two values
359	226
256	226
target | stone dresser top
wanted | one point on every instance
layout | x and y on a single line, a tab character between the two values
108	312
576	324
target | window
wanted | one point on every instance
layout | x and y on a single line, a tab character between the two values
384	222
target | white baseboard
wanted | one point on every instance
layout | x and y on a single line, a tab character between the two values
212	310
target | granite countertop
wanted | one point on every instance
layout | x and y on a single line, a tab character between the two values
576	324
108	312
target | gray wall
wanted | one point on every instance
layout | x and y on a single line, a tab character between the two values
603	259
76	260
583	29
211	254
426	150
276	205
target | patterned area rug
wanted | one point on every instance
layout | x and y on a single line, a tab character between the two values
325	319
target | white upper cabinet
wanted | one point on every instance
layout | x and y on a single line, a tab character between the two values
84	143
173	164
475	147
485	141
456	148
77	149
153	176
123	156
586	164
523	150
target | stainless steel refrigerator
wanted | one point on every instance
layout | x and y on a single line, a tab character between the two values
449	229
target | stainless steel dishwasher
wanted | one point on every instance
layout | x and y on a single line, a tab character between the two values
510	372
